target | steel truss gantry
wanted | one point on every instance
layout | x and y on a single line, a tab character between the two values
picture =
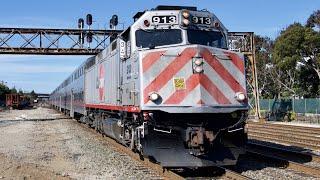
54	41
244	42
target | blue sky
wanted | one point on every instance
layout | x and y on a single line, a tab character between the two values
44	73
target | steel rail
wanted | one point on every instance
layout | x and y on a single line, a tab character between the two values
300	137
292	127
283	152
286	141
314	171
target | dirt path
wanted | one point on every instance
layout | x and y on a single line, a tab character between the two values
58	149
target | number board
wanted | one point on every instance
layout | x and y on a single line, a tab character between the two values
164	19
201	20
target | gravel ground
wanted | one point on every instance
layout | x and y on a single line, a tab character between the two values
59	149
262	170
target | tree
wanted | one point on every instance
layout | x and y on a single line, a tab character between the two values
314	20
13	90
263	52
3	91
296	60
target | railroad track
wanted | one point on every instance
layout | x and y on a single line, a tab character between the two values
223	173
288	158
303	137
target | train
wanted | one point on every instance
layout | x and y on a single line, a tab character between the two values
167	87
17	101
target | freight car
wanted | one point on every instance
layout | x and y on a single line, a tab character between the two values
17	101
167	87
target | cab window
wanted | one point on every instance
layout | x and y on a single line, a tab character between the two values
207	38
157	37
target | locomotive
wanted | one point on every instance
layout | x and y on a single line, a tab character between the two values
167	87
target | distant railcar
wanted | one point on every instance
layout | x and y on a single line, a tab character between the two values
17	101
166	87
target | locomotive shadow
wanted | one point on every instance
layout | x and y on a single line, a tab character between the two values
252	162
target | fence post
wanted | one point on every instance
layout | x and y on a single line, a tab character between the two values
293	105
305	106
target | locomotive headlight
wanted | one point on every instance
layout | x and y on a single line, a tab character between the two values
186	22
154	96
240	96
186	14
198	62
198	69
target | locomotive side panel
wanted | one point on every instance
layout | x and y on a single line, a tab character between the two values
91	90
102	79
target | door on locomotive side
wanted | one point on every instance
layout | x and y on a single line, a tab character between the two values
129	71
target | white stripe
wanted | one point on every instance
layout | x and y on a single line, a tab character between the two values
159	65
193	97
207	98
168	89
220	83
230	67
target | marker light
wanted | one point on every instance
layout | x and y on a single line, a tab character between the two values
146	23
186	14
186	22
240	96
198	69
198	62
153	96
217	25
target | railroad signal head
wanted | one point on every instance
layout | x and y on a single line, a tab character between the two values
114	21
89	37
89	19
80	23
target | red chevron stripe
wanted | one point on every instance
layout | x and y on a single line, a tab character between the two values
167	74
223	73
150	59
192	82
179	95
236	60
213	90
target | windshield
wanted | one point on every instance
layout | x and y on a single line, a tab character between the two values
207	38
157	37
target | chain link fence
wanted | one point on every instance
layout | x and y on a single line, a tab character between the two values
303	109
310	106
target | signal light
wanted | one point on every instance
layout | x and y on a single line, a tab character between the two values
154	96
186	14
146	23
240	96
186	22
89	37
217	25
198	69
89	19
80	23
198	62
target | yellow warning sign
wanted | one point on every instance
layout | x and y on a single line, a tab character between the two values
179	83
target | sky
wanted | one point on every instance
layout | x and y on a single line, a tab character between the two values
44	73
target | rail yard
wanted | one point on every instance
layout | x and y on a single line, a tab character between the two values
173	94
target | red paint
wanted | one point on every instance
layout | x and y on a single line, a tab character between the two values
175	66
213	90
222	71
236	60
179	95
114	107
150	59
101	82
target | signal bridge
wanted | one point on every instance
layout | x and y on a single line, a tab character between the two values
54	41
